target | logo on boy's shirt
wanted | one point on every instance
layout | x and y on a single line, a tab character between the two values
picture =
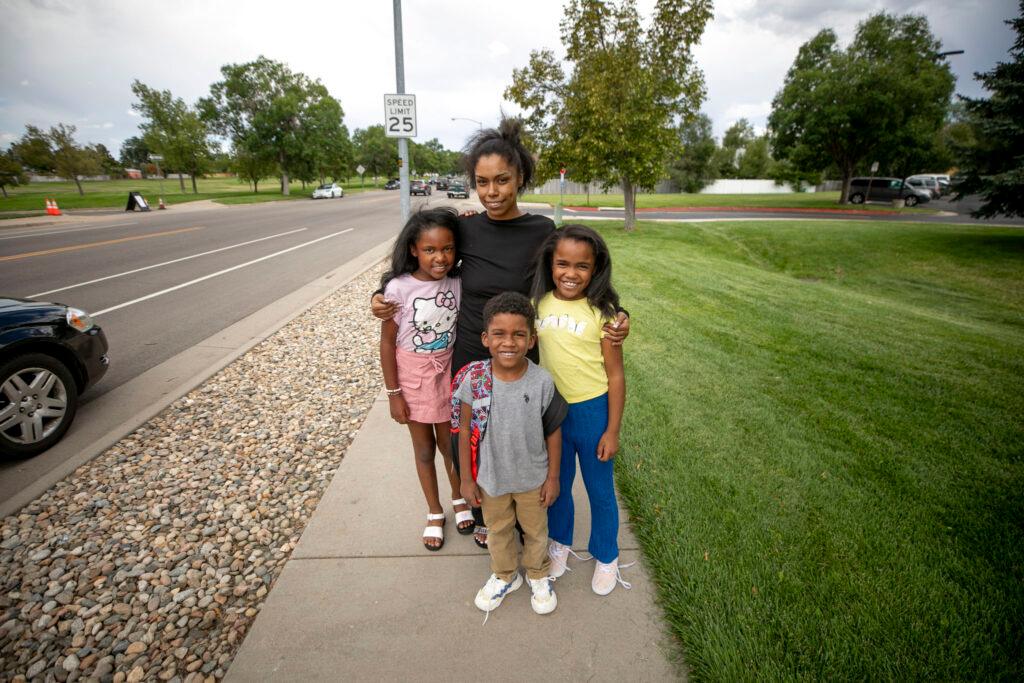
563	322
526	397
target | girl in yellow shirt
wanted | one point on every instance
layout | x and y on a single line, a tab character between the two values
573	292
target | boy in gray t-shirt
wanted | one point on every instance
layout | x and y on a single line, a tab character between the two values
517	479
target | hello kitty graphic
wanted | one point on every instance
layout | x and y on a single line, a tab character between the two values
434	320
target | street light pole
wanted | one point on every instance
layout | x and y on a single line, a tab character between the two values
462	118
403	143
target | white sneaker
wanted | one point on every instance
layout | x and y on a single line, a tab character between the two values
559	555
607	575
494	591
543	599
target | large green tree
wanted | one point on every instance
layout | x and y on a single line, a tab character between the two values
613	116
11	172
55	151
843	109
134	153
174	130
692	170
992	163
271	111
376	152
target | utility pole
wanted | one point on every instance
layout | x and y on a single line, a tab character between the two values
403	143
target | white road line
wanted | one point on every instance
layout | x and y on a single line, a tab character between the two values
63	232
219	272
165	263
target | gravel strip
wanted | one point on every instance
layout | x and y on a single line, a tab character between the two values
151	561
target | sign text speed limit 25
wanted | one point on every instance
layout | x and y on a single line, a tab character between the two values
400	116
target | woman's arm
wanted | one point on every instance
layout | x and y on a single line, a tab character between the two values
389	368
381	308
617	331
608	446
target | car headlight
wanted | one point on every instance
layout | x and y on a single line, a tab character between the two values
79	319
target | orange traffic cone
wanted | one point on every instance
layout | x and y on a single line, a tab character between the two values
162	205
56	210
51	208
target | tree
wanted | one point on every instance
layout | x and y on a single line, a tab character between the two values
887	92
612	118
734	146
376	152
56	152
992	164
173	130
274	112
134	153
251	166
108	164
11	172
33	151
692	170
755	159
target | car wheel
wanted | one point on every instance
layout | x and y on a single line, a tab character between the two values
38	400
856	198
911	200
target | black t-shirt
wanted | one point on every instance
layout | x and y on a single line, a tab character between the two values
497	256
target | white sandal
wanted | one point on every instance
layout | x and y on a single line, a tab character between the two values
431	531
462	516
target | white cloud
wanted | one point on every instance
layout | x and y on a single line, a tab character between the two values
24	82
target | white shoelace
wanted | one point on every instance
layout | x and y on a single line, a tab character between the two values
570	551
609	568
500	593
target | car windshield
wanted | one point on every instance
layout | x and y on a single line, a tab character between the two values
325	187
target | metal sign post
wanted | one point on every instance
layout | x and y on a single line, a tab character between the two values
404	111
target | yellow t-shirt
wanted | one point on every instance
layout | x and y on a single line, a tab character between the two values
569	333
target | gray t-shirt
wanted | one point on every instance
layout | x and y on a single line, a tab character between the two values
513	455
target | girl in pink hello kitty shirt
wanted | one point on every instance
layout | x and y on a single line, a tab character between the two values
416	354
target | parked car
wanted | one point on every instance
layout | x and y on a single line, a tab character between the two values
884	190
457	190
49	354
941	180
442	183
419	187
393	184
329	191
926	183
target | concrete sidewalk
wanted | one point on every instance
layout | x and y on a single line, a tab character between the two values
361	599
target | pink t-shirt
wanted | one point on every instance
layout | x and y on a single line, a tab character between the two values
427	311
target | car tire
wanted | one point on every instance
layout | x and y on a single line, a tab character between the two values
911	200
856	198
15	374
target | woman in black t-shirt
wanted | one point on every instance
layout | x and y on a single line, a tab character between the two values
498	249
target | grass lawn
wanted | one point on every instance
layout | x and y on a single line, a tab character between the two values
114	193
823	449
800	200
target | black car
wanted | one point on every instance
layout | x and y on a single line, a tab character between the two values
442	183
419	187
49	354
458	190
392	184
884	190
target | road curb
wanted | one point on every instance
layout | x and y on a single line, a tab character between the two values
160	386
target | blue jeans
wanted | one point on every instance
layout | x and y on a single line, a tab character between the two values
581	431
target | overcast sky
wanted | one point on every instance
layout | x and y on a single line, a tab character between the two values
73	62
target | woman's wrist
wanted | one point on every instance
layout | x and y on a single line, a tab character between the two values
393	392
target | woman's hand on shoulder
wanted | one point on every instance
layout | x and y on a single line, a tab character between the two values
616	331
381	308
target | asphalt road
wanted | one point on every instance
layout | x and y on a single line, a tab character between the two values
160	282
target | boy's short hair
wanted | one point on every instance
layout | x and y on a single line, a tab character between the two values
510	302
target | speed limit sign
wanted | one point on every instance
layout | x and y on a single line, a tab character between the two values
400	116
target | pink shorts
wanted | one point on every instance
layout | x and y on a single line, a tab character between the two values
426	381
